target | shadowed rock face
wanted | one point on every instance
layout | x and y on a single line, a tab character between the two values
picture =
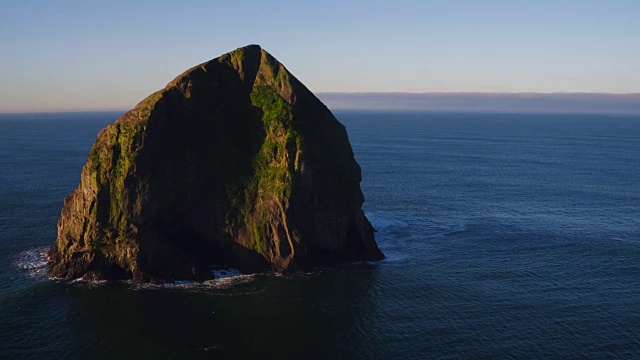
234	162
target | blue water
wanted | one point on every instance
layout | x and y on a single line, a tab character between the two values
506	235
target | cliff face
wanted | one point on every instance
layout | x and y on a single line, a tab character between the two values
234	162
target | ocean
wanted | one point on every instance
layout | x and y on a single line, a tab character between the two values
506	236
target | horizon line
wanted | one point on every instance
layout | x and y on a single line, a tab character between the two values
452	105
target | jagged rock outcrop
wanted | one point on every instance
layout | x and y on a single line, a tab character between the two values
234	162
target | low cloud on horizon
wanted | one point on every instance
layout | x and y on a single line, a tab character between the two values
595	103
486	102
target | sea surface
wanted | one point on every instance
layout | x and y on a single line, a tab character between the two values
506	236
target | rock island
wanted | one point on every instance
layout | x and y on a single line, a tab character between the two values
235	162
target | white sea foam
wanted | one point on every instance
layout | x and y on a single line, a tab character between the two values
230	281
224	278
33	262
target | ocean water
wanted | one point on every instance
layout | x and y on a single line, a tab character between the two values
506	235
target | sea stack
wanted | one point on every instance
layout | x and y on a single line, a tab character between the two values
235	163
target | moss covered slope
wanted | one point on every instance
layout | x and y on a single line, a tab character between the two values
234	162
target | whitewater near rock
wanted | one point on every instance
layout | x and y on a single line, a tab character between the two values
235	163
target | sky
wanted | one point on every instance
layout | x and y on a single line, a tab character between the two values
99	55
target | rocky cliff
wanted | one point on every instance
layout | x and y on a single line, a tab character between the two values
234	162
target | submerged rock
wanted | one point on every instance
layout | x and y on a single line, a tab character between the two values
234	162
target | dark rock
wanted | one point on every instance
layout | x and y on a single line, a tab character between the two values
234	162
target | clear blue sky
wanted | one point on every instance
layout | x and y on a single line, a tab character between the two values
66	55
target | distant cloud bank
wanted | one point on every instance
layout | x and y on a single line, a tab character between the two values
489	102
